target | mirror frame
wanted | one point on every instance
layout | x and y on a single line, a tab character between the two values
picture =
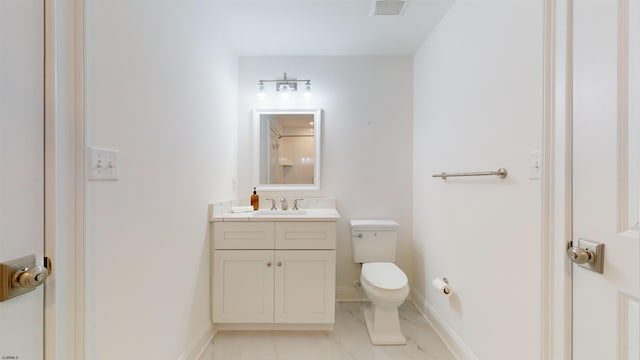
317	132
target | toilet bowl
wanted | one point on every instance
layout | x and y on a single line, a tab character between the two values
384	283
387	288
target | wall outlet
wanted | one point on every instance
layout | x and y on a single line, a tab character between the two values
535	165
103	164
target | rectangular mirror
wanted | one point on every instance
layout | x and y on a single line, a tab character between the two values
288	149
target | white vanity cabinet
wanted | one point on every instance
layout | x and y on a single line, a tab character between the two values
273	272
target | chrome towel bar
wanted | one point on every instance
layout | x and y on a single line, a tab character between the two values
501	173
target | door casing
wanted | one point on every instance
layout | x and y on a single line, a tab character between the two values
64	179
556	322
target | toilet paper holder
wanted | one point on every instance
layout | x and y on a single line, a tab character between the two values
442	285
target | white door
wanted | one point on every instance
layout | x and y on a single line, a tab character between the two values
606	307
21	168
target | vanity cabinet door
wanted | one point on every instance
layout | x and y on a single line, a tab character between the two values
243	286
305	286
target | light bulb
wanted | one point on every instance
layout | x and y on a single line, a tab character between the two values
307	89
261	93
284	91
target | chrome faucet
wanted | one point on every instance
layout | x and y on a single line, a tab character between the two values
295	204
273	204
284	206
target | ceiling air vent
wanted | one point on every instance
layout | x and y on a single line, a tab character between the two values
387	7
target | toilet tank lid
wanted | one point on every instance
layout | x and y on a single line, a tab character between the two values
374	224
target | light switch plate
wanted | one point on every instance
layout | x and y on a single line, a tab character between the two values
535	165
103	164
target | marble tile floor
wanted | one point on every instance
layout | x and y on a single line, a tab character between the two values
349	340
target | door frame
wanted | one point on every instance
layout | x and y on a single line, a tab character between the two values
64	178
557	181
67	21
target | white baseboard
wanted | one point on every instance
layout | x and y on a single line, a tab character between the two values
274	327
349	294
198	345
450	338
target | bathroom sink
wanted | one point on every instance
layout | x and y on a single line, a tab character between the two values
265	212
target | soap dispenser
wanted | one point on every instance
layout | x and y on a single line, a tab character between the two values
255	200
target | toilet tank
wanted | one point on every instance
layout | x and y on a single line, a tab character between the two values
374	240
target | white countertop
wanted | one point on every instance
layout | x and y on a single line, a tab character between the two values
290	215
311	209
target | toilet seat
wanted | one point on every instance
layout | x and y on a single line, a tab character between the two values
384	276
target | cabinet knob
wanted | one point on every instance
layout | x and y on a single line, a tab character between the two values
279	263
269	264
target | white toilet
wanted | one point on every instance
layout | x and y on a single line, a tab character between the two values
384	283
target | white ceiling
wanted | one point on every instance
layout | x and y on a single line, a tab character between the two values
324	27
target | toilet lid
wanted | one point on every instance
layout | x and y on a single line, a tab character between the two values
384	275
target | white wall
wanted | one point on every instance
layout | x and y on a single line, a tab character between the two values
161	88
478	106
366	139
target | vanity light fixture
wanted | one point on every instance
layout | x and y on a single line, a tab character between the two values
307	89
284	90
285	86
261	93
